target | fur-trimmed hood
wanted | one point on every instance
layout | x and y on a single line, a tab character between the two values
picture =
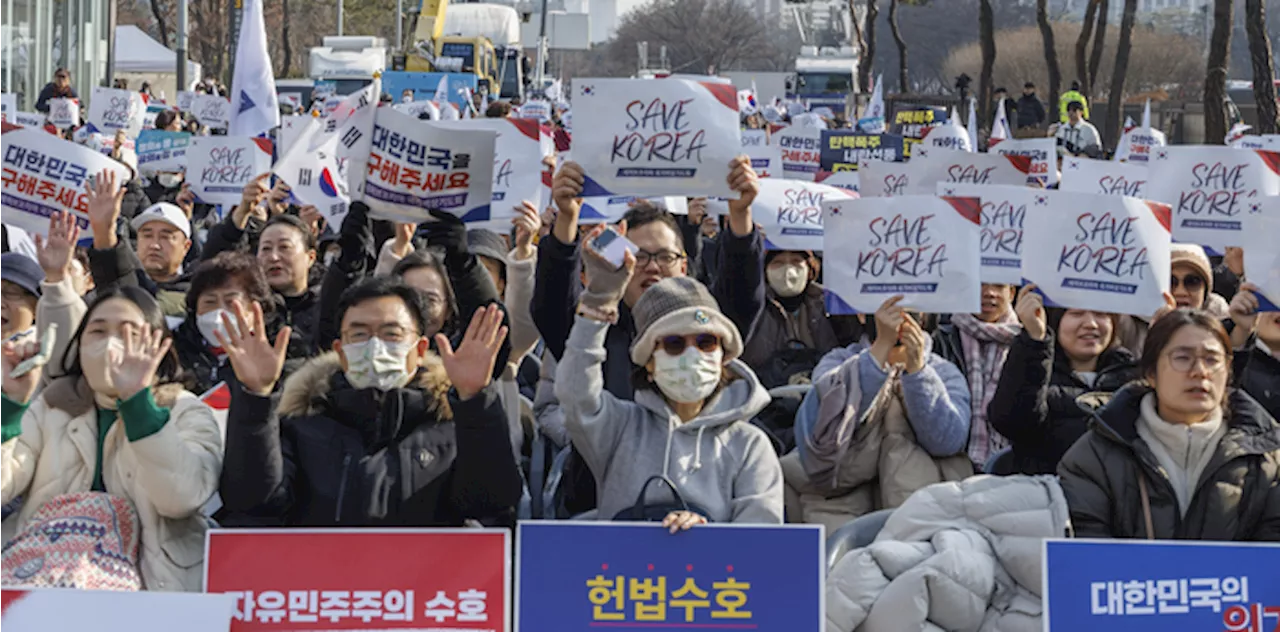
72	394
307	391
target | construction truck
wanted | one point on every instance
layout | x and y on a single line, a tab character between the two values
464	41
343	65
824	78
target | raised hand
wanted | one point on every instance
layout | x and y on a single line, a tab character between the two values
913	341
256	361
527	223
103	197
1030	310
55	252
21	388
605	282
278	199
743	179
697	211
135	368
402	243
186	200
470	368
312	217
1244	312
250	201
566	192
448	233
682	520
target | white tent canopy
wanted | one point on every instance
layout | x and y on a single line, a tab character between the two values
136	52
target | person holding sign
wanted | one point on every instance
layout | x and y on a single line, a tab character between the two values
118	422
1257	356
333	451
1205	457
1060	355
794	330
59	88
690	421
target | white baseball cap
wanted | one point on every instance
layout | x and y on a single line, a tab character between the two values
163	212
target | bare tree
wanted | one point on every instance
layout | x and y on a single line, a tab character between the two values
1050	50
1264	87
867	60
1115	101
1099	42
1215	76
1082	43
987	37
159	13
904	84
286	59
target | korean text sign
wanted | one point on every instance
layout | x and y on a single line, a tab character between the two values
162	151
415	167
914	123
1145	586
949	166
669	137
1098	252
1100	176
587	576
43	174
801	149
517	164
1214	191
1004	211
923	247
790	212
362	579
218	167
1043	153
844	150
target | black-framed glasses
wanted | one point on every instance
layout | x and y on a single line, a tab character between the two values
664	258
675	345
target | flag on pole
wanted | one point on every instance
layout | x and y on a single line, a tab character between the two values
255	109
1146	115
1000	127
872	121
1237	132
973	123
1129	124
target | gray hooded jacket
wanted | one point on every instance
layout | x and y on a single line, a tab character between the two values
718	460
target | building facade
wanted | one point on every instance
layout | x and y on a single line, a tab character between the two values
40	36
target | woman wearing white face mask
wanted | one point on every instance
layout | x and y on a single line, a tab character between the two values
689	422
117	422
793	331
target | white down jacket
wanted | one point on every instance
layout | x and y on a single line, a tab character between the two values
956	556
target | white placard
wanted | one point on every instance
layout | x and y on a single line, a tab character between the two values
219	167
888	179
8	104
27	119
211	110
923	247
949	135
1214	191
948	166
801	151
1043	153
754	138
186	100
1262	258
290	128
64	113
1084	175
669	137
766	160
43	174
111	110
789	212
847	180
1004	212
311	170
537	110
47	609
1098	252
1138	144
596	210
415	166
517	165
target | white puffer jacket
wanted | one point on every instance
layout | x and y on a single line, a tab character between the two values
956	556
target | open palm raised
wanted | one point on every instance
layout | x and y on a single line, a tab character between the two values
135	368
470	368
256	361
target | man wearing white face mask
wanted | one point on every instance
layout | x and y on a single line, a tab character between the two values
689	422
380	432
793	331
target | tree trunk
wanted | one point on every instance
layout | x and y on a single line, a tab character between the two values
1050	50
287	57
859	39
1264	87
1082	43
1115	100
904	83
158	12
987	38
867	62
1099	43
1215	77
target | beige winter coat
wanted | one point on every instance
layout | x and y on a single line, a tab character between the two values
870	460
167	476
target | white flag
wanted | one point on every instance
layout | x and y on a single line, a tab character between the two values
352	124
1000	127
973	123
872	121
310	168
255	109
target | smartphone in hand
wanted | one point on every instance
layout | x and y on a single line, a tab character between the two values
613	246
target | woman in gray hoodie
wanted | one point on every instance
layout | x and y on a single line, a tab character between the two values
694	399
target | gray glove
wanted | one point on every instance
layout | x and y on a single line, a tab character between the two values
605	283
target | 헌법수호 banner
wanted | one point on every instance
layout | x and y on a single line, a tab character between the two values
923	247
1098	252
645	137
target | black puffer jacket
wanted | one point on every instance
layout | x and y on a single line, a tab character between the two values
1258	373
1035	404
333	455
1237	497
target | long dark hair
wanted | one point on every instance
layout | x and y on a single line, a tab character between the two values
169	370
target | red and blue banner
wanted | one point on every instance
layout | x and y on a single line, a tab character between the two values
592	576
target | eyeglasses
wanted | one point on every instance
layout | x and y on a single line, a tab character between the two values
1182	361
389	333
1193	282
675	345
664	258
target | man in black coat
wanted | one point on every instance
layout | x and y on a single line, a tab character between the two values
1031	111
59	88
